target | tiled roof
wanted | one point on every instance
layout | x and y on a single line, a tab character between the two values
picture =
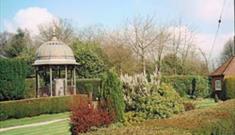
227	69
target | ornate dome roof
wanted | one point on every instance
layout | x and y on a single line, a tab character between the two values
54	52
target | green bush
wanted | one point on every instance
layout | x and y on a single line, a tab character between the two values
12	79
230	87
162	104
33	107
131	118
218	120
91	63
93	84
183	84
30	88
112	91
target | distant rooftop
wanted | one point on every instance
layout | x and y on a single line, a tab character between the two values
226	69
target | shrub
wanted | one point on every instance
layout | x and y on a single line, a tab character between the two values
218	120
91	63
230	87
132	118
112	93
33	107
183	84
162	104
30	88
189	106
93	84
12	79
134	87
84	116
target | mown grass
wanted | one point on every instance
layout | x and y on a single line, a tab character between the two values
30	120
204	103
58	128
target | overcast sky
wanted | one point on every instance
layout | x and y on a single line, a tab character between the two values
201	15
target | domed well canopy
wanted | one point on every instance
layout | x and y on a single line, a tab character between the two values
54	52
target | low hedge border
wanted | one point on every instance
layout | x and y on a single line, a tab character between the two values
183	84
35	106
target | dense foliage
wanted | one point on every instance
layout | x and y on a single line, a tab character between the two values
112	93
91	64
146	100
230	87
89	85
12	79
30	88
183	84
33	107
162	104
84	116
218	120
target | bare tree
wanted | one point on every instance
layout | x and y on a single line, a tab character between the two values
182	42
119	54
205	59
63	31
93	34
140	35
227	51
159	50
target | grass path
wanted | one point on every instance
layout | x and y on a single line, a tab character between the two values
32	125
56	128
31	120
49	124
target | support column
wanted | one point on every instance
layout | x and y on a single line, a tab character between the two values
37	83
74	81
66	83
50	81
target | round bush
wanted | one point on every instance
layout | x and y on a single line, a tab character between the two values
164	102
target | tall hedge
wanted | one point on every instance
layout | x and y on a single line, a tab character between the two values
35	106
230	87
12	78
183	84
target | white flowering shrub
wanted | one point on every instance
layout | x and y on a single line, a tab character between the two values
149	98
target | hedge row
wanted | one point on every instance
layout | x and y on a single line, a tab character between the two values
183	84
83	87
36	106
230	87
218	120
12	75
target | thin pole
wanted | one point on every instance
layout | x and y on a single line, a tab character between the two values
66	76
50	81
233	27
74	81
37	84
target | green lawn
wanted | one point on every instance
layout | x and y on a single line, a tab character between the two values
62	128
30	120
58	128
204	103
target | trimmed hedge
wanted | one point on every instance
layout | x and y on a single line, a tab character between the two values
230	87
12	78
36	106
183	84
